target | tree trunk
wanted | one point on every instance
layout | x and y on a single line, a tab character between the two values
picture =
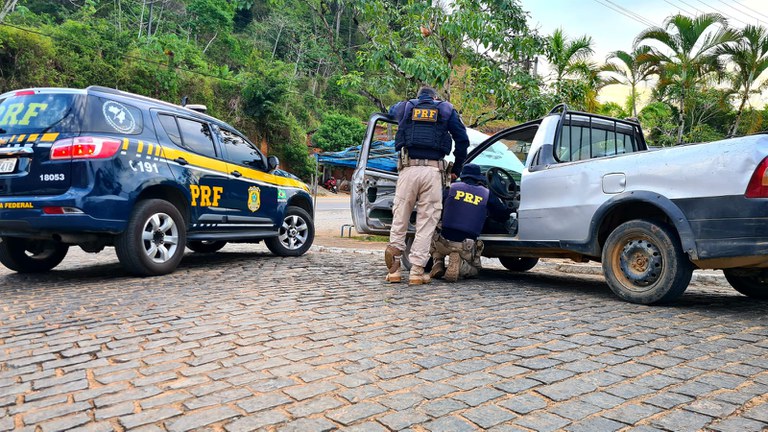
210	42
7	8
634	100
279	32
149	19
681	119
141	20
339	11
735	126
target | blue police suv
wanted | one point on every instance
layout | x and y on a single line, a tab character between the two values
99	167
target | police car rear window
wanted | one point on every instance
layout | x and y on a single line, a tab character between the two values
109	116
197	136
35	113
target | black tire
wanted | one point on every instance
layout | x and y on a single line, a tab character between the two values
407	262
295	235
153	242
644	263
205	246
753	283
31	256
518	264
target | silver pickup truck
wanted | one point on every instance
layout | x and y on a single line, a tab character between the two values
591	189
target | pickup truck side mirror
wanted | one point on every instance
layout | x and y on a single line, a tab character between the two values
272	163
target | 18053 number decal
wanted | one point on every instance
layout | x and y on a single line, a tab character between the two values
51	177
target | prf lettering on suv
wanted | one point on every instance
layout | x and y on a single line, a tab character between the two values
98	167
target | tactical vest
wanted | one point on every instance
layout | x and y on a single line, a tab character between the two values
465	208
424	124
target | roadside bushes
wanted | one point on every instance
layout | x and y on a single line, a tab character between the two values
338	132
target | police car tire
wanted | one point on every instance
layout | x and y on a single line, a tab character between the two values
205	246
130	246
45	254
518	264
293	215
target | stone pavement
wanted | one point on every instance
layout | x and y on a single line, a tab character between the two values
242	340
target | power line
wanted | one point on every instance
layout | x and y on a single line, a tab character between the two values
627	13
747	7
632	13
681	9
741	12
123	55
727	15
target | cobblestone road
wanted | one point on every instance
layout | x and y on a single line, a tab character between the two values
242	340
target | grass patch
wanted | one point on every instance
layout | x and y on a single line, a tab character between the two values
373	238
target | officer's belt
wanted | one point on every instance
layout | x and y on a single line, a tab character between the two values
426	162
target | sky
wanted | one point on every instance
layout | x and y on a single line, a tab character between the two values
614	24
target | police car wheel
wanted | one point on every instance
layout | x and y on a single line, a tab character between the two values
205	246
31	256
153	242
295	235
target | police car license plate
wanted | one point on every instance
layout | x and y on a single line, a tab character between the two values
7	165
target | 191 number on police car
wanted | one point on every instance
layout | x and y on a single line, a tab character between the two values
149	167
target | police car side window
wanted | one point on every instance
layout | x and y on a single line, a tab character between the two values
240	151
196	136
171	128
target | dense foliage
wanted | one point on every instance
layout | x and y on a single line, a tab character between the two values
277	68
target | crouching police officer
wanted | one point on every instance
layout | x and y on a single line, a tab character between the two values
466	206
423	139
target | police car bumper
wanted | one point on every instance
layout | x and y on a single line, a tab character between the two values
47	218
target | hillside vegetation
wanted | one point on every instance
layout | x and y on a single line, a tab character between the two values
277	69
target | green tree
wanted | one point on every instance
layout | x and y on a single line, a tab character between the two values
750	59
689	56
338	132
483	47
632	68
567	57
656	120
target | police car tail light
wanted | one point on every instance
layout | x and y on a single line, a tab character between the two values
84	148
758	184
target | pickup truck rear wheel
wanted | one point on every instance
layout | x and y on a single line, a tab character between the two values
518	264
31	256
644	263
205	246
295	235
153	242
750	282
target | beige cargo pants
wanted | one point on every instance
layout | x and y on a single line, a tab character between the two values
419	186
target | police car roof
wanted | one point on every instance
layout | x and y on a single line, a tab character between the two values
128	95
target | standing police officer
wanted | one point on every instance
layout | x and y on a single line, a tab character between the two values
467	204
425	128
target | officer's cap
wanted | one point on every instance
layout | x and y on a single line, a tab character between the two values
472	171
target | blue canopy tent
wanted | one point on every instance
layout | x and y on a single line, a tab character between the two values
382	156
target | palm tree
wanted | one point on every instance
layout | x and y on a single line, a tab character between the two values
750	58
567	56
691	45
633	68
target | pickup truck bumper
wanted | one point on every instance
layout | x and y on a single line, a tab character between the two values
728	226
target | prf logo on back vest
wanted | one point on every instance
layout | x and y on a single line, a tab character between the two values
468	197
209	196
424	114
